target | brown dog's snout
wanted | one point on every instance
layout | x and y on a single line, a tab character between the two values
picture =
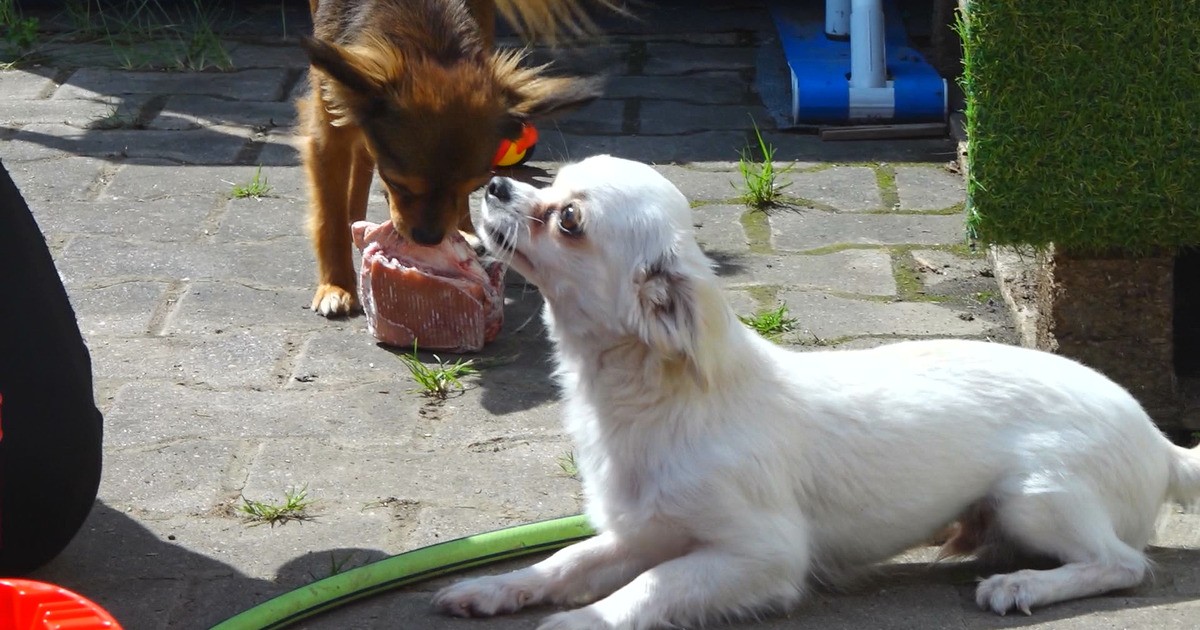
500	189
427	235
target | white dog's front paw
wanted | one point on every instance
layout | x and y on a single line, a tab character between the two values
483	597
1002	593
582	619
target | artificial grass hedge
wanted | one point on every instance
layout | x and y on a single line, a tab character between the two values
1084	123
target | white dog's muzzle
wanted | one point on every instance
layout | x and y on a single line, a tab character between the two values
506	211
501	221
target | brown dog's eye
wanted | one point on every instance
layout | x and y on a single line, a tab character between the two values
404	194
568	220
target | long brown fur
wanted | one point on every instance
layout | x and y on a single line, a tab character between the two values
411	89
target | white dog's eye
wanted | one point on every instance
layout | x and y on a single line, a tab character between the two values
568	220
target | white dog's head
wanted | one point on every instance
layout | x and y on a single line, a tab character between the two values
609	244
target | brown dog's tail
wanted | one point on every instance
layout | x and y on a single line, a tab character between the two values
547	19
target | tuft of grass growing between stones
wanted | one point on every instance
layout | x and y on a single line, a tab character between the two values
183	35
114	118
440	380
760	189
256	188
18	34
294	507
566	462
771	324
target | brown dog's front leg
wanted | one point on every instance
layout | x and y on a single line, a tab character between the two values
328	161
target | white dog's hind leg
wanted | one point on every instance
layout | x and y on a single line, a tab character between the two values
577	574
1073	529
706	585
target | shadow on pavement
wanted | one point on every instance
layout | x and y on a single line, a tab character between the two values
154	582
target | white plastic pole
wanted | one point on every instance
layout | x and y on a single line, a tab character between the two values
867	55
837	18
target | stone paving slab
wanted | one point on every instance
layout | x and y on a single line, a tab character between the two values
151	414
928	188
246	55
699	90
720	233
707	186
74	179
279	149
27	85
671	58
942	269
277	263
599	58
91	113
183	112
857	271
170	478
670	117
850	188
207	307
804	230
527	474
119	309
604	116
224	361
259	219
184	220
199	146
246	85
831	317
696	147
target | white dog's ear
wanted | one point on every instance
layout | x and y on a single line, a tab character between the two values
665	310
679	316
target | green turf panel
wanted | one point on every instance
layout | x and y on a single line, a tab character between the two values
1084	123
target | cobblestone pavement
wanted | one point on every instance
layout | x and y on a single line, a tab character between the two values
218	383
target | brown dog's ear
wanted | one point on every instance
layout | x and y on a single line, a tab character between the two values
547	96
336	62
529	95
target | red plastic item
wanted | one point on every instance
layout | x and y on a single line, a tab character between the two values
31	605
514	153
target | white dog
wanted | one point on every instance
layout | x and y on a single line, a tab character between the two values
723	473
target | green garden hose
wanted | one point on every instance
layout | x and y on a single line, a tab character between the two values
408	568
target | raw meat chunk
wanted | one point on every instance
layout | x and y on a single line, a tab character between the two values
443	297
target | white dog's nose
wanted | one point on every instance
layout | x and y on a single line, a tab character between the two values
500	189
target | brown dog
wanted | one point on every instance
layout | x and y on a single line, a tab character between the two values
412	87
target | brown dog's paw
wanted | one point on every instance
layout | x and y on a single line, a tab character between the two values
333	301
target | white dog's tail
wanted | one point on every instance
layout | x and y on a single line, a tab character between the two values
1185	476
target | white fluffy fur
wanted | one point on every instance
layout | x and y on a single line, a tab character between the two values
724	472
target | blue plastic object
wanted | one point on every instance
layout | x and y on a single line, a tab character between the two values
820	69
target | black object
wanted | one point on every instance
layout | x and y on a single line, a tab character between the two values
50	428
